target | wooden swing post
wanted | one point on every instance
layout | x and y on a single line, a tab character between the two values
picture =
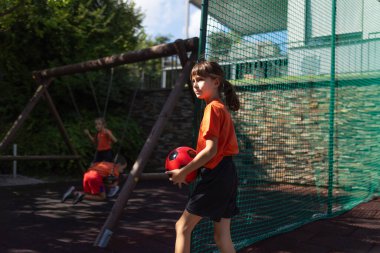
137	169
40	91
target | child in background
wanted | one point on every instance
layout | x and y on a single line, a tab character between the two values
93	181
103	141
215	194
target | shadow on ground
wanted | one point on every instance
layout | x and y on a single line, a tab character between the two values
33	220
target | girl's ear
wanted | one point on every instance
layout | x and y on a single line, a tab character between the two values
217	82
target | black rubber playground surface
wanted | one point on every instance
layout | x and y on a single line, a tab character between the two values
33	220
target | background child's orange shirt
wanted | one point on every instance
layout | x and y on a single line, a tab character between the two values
104	141
217	122
105	169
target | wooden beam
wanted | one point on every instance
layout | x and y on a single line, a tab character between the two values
154	176
38	157
158	51
11	134
61	127
182	54
143	157
181	51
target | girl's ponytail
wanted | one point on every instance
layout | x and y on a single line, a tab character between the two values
232	100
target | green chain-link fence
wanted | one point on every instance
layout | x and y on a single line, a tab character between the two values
308	76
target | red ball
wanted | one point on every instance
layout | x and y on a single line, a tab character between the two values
179	158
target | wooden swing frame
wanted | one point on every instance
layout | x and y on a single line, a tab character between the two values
44	79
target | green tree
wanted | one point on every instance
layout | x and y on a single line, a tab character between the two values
40	34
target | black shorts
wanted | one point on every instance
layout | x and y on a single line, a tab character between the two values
215	194
103	156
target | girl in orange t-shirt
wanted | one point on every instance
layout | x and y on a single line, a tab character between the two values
103	141
215	194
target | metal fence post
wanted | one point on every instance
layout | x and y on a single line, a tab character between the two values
332	113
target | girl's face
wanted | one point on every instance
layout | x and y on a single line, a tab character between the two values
99	125
205	88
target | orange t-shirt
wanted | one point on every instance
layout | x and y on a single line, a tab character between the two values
105	169
217	122
104	141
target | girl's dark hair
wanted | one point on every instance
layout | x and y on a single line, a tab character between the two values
213	70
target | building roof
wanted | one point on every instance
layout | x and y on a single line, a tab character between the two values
248	17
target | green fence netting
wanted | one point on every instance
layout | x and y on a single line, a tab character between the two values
308	76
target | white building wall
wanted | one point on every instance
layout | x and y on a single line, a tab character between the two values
373	56
371	19
296	23
352	56
320	17
303	61
348	16
359	57
349	58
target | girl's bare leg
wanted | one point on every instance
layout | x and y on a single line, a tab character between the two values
222	236
184	227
